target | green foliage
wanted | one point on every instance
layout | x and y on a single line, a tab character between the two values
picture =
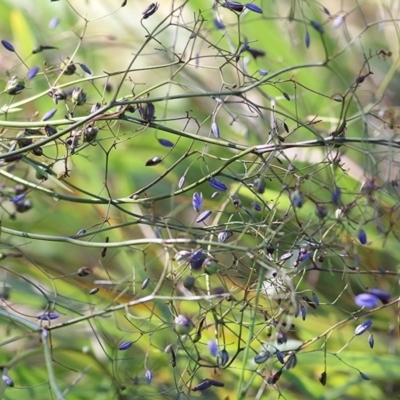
147	291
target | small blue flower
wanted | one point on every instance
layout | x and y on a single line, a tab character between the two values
382	295
197	201
360	329
305	256
366	300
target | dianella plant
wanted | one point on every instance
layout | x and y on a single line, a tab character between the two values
199	199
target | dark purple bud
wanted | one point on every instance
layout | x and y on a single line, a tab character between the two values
256	53
303	312
321	211
157	233
279	356
147	112
47	316
257	207
203	216
149	376
281	337
50	114
32	73
81	232
382	295
326	11
18	198
318	27
7	380
197	201
150	10
233	5
145	283
124	345
322	378
215	129
222	358
217	384
217	184
196	264
213	348
307	39
305	256
286	256
254	8
336	195
197	255
54	22
315	299
181	182
286	96
165	143
205	384
153	161
362	236
366	300
86	69
218	24
371	341
8	46
222	236
276	376
94	291
360	329
365	377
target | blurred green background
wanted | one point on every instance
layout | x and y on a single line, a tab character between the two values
97	237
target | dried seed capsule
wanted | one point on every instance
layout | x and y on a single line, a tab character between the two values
67	67
147	112
15	86
183	325
150	10
90	133
322	378
78	97
84	271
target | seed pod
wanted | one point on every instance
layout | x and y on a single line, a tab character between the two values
84	271
50	130
124	345
78	97
222	358
281	337
183	325
153	161
210	267
189	282
322	378
315	299
67	67
15	86
276	376
57	95
259	185
150	10
305	256
90	133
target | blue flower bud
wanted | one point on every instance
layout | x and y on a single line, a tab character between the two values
203	216
366	300
124	345
360	329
